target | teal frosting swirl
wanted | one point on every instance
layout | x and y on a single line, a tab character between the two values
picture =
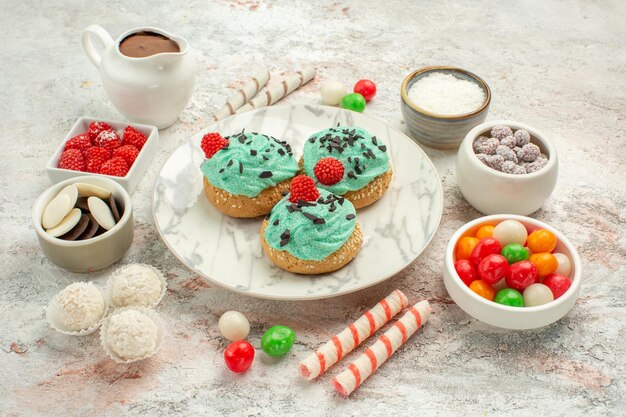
364	157
249	164
311	230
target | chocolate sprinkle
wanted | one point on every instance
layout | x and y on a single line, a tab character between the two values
286	234
240	168
229	163
319	221
265	174
369	151
242	139
374	141
310	216
304	203
284	242
252	152
358	170
350	174
350	216
383	148
284	193
275	222
281	152
265	157
221	170
341	200
312	139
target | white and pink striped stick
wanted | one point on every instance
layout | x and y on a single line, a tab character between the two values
374	356
350	337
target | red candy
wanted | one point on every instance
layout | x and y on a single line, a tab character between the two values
133	137
466	270
328	171
95	128
521	275
108	139
115	166
303	188
239	356
485	247
95	157
72	159
127	152
80	142
558	284
211	143
366	88
493	268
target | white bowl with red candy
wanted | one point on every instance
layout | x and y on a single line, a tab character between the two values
504	166
512	271
116	150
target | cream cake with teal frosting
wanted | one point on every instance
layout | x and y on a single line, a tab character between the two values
311	230
350	162
246	174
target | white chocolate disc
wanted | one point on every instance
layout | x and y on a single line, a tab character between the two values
565	265
101	212
66	224
72	192
56	210
234	326
88	190
332	92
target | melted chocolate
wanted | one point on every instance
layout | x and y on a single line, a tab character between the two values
143	44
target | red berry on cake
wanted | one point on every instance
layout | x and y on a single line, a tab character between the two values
72	159
80	142
115	166
95	128
95	157
108	139
303	188
328	171
211	143
127	152
133	137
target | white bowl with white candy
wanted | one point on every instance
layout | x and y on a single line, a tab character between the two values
515	182
57	216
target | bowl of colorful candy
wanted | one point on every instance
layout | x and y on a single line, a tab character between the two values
441	104
504	166
512	271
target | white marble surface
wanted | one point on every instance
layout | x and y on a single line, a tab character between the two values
559	66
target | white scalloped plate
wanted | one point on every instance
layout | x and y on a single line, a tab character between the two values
228	252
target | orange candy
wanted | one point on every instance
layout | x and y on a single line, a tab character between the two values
546	263
541	240
465	246
484	231
483	289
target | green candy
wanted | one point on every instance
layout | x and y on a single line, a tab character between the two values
278	340
354	102
509	297
515	252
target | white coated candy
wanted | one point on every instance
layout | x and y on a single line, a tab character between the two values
66	224
510	231
88	190
101	212
56	210
565	265
537	294
234	326
332	92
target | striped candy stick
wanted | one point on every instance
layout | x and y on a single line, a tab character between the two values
374	356
350	337
243	95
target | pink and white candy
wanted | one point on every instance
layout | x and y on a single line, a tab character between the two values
374	356
350	337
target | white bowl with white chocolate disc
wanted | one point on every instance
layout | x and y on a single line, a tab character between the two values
84	224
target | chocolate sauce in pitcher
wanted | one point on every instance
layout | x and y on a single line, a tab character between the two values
143	44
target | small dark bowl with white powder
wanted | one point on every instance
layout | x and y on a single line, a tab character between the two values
441	104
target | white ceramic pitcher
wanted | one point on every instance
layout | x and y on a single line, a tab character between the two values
151	90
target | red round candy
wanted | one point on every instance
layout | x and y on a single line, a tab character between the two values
366	88
521	275
239	356
466	270
557	283
486	246
493	268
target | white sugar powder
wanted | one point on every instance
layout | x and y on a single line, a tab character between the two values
446	94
